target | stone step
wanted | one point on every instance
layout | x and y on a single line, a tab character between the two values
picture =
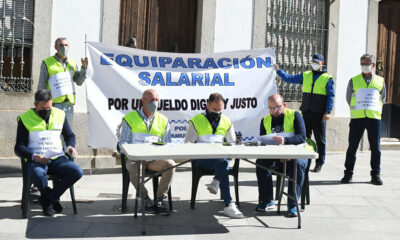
390	144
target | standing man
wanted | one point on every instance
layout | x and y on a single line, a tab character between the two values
39	143
147	125
288	125
212	127
57	74
365	116
317	104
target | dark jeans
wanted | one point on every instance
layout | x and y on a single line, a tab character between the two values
68	171
264	179
221	169
357	127
314	124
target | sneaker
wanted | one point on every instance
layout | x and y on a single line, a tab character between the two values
148	205
213	186
317	167
292	211
376	180
261	208
161	207
347	179
47	207
232	211
57	207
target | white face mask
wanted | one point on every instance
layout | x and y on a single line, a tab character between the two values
152	106
366	68
315	66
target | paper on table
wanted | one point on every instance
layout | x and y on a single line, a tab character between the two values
267	139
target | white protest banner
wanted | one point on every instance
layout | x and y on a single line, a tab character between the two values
119	75
368	99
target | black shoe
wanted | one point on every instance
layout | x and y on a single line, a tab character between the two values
376	180
317	167
47	207
347	179
161	207
57	207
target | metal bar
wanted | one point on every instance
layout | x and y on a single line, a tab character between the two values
23	40
12	40
3	20
142	200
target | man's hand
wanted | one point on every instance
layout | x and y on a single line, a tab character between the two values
276	67
326	117
40	159
72	151
84	62
279	140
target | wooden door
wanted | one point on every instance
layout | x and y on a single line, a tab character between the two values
388	64
158	25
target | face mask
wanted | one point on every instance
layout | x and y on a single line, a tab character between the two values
315	66
152	106
214	115
366	68
44	114
63	51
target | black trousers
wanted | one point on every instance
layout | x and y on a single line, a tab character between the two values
315	125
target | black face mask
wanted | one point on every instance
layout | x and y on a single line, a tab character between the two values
44	114
213	115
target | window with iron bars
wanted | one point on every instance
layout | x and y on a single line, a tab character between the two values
16	40
297	29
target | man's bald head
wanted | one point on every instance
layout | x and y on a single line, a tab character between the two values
276	105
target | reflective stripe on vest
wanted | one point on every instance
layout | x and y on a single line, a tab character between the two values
319	85
139	128
54	67
43	137
288	122
205	131
360	83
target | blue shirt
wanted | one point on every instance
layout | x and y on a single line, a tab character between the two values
298	79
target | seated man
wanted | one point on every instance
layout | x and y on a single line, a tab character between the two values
147	125
212	127
39	143
280	120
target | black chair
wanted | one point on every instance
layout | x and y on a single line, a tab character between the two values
305	191
197	173
126	183
27	185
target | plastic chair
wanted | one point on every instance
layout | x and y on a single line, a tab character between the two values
197	173
27	185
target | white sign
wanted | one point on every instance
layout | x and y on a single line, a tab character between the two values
47	143
117	77
61	84
368	99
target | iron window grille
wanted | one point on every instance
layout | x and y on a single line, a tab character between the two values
296	29
16	41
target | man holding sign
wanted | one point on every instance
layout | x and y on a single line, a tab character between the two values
366	93
58	73
39	143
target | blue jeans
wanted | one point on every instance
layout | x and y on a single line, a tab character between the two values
264	179
69	172
221	168
68	108
357	127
